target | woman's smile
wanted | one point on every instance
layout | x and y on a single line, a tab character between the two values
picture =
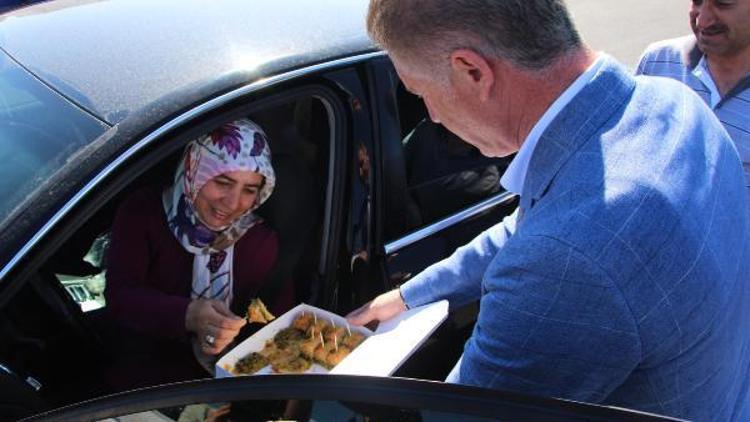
219	215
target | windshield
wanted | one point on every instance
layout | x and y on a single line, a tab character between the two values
39	131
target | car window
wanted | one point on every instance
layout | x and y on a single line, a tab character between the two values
443	173
39	131
299	138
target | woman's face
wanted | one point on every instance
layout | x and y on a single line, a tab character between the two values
226	197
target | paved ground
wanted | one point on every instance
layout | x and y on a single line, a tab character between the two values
623	28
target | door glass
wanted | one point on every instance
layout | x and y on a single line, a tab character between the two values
299	138
39	131
443	173
446	174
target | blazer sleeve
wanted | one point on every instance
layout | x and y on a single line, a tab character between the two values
458	278
551	323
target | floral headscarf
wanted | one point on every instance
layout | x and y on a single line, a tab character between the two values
237	146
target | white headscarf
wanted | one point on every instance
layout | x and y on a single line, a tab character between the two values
237	146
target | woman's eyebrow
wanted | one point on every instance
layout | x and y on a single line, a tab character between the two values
229	179
225	177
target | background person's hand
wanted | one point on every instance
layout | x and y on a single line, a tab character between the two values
212	320
382	308
218	414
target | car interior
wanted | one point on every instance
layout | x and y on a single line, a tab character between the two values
439	163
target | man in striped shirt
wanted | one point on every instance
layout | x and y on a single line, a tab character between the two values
715	63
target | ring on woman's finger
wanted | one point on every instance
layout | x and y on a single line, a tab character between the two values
209	339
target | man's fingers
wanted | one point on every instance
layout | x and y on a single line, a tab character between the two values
382	308
361	316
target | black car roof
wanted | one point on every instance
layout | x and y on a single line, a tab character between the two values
116	58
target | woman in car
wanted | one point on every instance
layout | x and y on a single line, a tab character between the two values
185	259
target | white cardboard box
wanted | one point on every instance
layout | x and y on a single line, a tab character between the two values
380	354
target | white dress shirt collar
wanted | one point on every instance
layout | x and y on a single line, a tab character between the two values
515	174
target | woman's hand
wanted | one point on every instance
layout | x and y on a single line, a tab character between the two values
213	323
382	308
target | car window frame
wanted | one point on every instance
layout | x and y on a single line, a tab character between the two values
387	391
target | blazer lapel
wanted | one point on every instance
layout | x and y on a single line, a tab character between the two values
609	89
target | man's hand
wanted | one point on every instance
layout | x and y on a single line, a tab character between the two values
382	308
213	323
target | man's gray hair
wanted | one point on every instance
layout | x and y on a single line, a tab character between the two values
531	34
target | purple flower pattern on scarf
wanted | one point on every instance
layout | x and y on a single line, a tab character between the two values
259	142
197	234
214	263
228	137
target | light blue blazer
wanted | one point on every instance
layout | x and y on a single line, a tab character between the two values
627	280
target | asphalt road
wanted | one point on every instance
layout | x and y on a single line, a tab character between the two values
624	28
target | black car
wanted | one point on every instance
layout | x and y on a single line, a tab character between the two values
98	98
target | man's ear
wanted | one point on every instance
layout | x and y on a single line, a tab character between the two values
471	70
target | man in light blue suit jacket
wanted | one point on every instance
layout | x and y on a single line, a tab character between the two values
624	276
